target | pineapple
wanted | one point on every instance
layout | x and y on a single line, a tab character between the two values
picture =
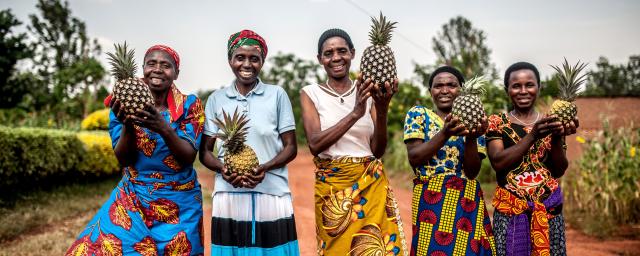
570	82
238	157
467	106
378	62
132	92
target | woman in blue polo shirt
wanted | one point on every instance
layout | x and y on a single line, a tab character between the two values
253	213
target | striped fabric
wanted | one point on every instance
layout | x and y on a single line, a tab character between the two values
253	224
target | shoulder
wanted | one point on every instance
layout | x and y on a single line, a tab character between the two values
497	120
309	89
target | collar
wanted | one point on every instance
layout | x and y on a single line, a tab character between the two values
232	92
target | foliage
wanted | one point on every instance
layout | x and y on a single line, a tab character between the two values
13	48
292	73
98	120
41	157
99	159
65	57
604	191
614	80
462	46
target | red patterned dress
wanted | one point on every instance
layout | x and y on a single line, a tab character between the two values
156	209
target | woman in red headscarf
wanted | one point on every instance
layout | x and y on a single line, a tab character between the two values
156	209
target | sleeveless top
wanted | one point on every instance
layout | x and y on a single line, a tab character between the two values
356	142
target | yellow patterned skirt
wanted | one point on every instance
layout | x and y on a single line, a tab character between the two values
356	211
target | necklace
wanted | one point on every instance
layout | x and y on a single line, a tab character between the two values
341	96
525	124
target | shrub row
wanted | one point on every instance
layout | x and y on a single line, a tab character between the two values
33	157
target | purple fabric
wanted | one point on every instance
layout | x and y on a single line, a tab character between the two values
518	234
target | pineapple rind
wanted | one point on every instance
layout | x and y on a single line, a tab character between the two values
238	157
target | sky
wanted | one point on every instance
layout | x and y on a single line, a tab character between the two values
541	32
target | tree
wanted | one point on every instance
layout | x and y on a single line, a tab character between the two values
614	80
64	54
461	45
292	73
13	47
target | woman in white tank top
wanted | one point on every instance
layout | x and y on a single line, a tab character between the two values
345	123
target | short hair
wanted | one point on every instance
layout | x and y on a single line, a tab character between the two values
520	66
333	32
446	69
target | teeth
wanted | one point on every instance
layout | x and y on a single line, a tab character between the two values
246	73
156	80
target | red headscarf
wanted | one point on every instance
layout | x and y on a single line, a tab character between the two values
167	50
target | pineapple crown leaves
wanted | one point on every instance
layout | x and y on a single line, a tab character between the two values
122	62
475	86
233	129
570	79
381	28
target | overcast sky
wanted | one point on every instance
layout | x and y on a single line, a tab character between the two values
541	32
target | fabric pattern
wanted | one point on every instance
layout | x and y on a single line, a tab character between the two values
528	195
556	234
449	214
356	211
174	55
246	37
156	209
262	224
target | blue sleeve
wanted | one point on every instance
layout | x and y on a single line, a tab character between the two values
286	121
210	127
115	128
192	125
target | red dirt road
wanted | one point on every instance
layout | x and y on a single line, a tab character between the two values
301	180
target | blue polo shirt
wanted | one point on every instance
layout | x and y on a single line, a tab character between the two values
269	111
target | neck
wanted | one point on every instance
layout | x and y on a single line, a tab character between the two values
442	113
160	98
524	112
244	89
339	84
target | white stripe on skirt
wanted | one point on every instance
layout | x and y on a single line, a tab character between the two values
239	206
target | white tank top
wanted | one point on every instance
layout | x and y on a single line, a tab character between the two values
357	140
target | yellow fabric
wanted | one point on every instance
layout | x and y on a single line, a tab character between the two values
356	211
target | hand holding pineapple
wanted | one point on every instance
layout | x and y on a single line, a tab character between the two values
149	117
453	127
382	94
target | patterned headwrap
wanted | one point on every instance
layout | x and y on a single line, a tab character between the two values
167	50
246	37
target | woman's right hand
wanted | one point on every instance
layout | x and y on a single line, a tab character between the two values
453	127
363	93
231	177
545	126
119	111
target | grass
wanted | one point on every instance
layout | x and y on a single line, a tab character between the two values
66	209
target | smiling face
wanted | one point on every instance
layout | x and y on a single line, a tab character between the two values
523	89
444	89
246	63
335	56
159	71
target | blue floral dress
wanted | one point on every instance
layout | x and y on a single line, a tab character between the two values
448	212
156	209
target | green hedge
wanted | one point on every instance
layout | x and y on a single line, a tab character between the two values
37	157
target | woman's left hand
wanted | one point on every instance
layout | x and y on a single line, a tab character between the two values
480	129
568	129
382	99
150	118
254	178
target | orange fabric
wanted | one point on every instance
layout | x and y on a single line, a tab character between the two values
506	203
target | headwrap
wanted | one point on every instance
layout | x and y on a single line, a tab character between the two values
167	50
520	66
446	69
333	32
246	37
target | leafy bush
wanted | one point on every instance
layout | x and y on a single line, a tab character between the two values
99	159
98	120
604	191
36	158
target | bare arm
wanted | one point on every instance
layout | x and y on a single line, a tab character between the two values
379	112
472	163
213	163
321	140
288	153
420	152
502	159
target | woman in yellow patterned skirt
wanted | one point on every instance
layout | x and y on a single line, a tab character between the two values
449	214
346	128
